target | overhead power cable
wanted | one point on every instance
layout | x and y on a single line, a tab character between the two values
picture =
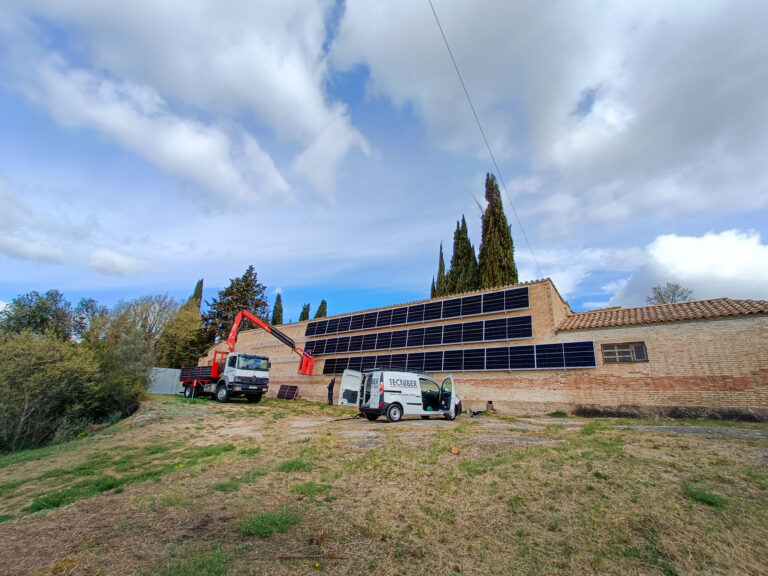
487	145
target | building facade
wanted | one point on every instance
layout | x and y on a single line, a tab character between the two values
522	348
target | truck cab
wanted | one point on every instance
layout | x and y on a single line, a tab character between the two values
243	375
395	394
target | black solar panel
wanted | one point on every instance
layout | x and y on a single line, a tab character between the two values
416	361
497	358
579	355
472	332
330	346
384	319
399	316
369	342
333	326
319	348
452	334
493	302
516	299
369	321
383	341
452	308
550	356
356	323
433	311
433	336
496	329
321	326
355	363
369	362
471	305
330	366
344	323
474	359
399	361
415	313
383	361
415	337
311	329
341	365
522	358
453	360
519	327
343	345
309	346
433	362
356	343
399	339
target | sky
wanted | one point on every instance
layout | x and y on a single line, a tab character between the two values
146	145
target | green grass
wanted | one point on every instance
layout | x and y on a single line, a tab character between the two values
296	465
310	489
267	523
703	496
249	451
210	563
558	414
236	481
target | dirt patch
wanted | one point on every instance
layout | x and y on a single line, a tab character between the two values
505	439
557	421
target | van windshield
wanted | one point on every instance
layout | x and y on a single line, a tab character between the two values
249	362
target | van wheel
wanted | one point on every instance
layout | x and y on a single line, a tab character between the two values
371	417
221	393
450	415
394	413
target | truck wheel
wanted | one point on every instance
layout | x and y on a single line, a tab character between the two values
254	398
371	417
189	392
394	413
221	393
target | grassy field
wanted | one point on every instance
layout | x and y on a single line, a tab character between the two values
194	487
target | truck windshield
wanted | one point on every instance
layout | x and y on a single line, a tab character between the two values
246	362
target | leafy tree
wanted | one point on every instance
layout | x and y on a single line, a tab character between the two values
277	311
39	314
497	251
183	340
85	312
148	315
463	275
669	293
441	286
322	310
244	293
304	312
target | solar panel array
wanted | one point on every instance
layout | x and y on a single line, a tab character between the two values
499	301
513	328
533	357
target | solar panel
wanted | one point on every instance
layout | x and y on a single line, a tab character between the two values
496	329
472	332
433	311
474	359
415	313
522	358
344	324
311	329
416	361
369	320
399	339
356	323
330	346
493	302
321	326
356	343
383	341
452	308
309	346
330	366
341	365
369	342
415	337
399	316
471	305
433	336
549	356
319	348
452	334
516	298
369	362
453	360
497	358
333	326
355	363
343	345
433	362
519	327
398	361
383	361
579	355
385	318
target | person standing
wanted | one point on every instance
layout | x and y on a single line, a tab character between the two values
330	391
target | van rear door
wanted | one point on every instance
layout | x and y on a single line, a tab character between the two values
447	394
349	391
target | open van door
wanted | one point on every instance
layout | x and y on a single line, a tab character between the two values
448	397
349	391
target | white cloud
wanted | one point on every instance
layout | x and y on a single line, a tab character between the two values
113	263
732	264
26	249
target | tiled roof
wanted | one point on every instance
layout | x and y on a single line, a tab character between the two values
678	312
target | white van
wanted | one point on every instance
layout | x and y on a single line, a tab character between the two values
397	394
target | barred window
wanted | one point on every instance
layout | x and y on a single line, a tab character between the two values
634	352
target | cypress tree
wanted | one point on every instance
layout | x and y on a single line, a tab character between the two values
432	289
322	310
441	287
497	251
463	275
197	294
304	312
277	311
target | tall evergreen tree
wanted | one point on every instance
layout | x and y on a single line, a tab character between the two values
441	287
244	293
463	275
183	340
322	310
304	312
197	294
497	251
432	288
277	311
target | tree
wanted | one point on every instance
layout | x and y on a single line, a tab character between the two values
322	310
183	340
497	251
277	311
85	312
669	293
441	286
432	288
304	312
463	275
39	314
244	293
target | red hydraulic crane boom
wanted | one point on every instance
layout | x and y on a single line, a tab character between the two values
306	362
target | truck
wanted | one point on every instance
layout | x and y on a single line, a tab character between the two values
395	394
235	373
